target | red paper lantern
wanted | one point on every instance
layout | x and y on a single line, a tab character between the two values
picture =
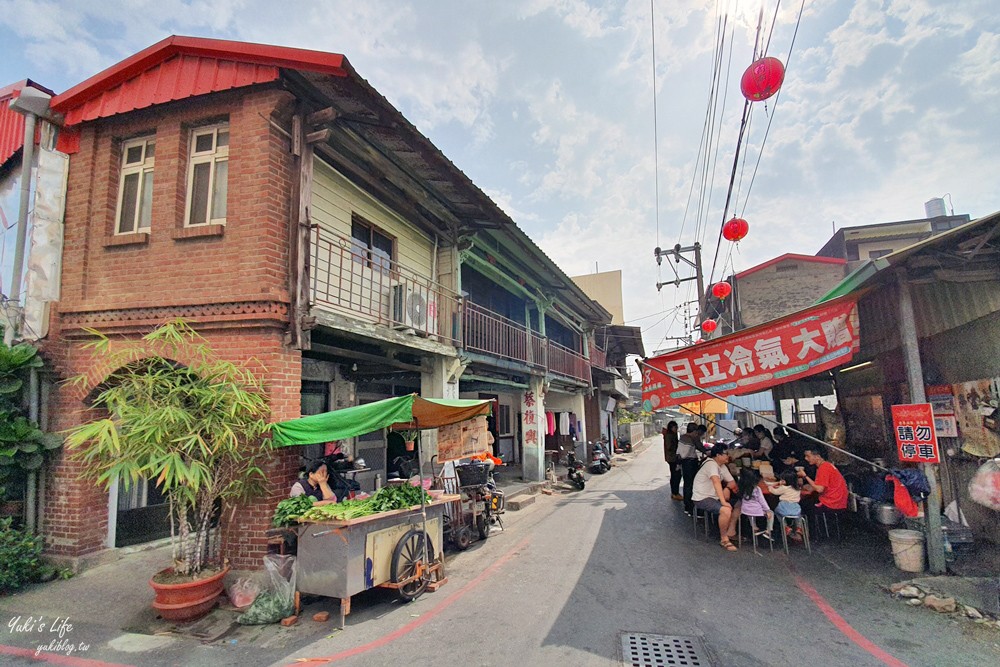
762	79
721	290
735	229
708	326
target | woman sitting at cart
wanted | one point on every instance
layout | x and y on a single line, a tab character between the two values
316	483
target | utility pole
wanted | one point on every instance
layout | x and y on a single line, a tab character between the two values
677	252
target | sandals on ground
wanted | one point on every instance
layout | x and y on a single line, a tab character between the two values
728	546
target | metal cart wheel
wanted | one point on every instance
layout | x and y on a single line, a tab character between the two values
406	557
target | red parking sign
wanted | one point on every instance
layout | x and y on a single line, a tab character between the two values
916	439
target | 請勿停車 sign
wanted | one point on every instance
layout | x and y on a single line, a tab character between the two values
916	438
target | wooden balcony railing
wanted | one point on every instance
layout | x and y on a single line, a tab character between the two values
598	357
487	332
348	279
564	361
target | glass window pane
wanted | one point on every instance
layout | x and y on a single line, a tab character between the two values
146	203
220	189
382	243
202	143
199	193
361	232
223	139
130	193
150	149
133	154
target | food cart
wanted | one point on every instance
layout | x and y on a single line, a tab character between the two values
399	549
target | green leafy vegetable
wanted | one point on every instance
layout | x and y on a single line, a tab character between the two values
290	509
385	499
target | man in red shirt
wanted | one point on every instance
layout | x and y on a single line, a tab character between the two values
829	484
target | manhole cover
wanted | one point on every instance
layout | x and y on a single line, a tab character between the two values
646	650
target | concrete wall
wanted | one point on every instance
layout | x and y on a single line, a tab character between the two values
606	289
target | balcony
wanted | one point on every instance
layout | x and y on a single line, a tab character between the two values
349	280
488	333
598	357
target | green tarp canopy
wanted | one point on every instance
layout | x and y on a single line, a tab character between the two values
410	411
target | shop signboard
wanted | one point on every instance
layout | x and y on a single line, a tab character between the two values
916	438
790	348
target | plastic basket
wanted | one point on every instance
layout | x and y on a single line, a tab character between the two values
471	474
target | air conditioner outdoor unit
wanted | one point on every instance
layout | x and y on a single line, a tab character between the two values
413	309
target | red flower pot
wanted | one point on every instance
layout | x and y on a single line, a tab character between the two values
188	600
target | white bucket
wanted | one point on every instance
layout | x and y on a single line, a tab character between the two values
907	549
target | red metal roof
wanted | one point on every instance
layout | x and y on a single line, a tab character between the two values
11	122
181	67
793	256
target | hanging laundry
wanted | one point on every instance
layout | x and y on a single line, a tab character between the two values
550	423
563	423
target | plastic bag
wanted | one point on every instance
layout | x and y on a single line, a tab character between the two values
243	592
985	485
278	601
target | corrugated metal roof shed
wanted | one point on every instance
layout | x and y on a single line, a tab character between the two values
11	122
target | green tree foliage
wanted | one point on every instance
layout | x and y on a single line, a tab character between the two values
23	446
197	430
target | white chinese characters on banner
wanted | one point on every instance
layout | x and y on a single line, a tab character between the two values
795	346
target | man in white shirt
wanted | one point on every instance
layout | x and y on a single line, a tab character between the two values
713	486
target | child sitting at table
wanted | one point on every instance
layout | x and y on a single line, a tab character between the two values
787	491
753	503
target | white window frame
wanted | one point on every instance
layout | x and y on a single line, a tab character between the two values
144	168
212	157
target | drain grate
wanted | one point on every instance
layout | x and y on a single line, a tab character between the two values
646	650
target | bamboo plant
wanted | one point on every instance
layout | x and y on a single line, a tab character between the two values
197	429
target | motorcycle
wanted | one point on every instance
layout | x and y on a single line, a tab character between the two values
600	462
496	498
574	471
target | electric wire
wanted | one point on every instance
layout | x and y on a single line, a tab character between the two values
704	131
777	97
736	158
656	158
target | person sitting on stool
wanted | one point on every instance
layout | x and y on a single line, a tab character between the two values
712	488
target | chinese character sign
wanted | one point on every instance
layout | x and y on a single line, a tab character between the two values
790	348
916	438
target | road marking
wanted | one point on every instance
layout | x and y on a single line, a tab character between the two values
55	658
842	625
413	625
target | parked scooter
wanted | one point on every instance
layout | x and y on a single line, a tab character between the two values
574	471
497	499
600	461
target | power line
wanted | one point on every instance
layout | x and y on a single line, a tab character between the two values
656	157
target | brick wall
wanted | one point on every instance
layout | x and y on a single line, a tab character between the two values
778	290
231	283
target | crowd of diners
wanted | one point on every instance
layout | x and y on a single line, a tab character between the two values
759	474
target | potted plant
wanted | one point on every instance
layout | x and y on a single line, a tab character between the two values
177	414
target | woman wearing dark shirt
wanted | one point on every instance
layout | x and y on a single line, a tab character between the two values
316	483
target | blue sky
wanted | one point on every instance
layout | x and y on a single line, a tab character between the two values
548	106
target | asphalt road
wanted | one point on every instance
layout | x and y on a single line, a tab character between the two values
574	571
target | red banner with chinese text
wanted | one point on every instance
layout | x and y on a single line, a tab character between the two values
790	348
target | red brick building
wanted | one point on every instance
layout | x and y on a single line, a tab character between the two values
271	197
